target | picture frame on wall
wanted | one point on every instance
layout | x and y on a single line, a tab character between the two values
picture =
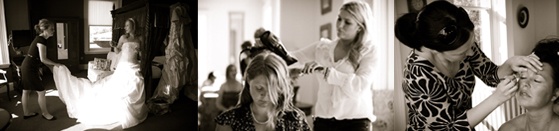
325	6
416	5
523	17
326	31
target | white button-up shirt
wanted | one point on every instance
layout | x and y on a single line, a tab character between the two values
346	93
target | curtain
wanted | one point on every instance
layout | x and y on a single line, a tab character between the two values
4	53
383	86
100	12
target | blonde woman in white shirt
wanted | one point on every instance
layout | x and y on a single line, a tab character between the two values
344	68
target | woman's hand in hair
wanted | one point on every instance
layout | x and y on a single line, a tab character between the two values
312	67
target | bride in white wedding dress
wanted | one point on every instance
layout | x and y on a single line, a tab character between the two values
115	99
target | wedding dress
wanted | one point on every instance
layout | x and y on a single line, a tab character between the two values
117	98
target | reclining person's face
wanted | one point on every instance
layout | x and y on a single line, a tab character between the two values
536	89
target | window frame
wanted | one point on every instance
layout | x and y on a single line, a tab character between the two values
496	48
87	49
4	53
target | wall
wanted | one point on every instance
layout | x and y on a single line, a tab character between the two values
524	38
299	28
17	15
400	54
40	9
542	23
214	54
545	18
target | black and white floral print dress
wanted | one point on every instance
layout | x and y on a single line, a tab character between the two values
438	102
240	119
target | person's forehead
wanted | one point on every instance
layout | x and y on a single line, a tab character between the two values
547	70
345	15
258	80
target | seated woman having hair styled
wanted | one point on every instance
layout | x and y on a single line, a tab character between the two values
538	92
266	100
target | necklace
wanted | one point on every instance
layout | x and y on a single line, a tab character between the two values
255	120
546	128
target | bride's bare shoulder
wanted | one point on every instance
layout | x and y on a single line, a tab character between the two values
516	124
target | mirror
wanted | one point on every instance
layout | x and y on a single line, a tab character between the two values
61	41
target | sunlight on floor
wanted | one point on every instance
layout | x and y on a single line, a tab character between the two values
51	92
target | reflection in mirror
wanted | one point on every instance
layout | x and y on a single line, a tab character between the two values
61	41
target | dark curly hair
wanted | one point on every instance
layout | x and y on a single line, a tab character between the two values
548	52
441	26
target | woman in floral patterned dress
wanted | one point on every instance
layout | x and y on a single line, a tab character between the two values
440	70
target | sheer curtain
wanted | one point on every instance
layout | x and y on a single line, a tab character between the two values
383	85
4	54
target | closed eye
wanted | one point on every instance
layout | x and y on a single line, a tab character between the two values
539	80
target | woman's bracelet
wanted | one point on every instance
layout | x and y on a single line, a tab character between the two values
326	72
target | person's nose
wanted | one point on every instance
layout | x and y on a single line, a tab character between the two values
262	93
523	85
339	25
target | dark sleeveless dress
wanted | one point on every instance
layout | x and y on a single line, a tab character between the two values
30	66
230	99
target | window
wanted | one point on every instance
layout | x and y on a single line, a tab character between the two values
98	32
4	55
489	18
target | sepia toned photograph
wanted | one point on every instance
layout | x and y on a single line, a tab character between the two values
482	65
436	65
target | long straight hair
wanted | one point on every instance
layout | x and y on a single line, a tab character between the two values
362	13
274	69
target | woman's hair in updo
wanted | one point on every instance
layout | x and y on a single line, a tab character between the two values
43	25
441	26
548	52
134	27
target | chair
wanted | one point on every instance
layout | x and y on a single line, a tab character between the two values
4	82
5	119
19	44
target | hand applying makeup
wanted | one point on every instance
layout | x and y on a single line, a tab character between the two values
506	88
